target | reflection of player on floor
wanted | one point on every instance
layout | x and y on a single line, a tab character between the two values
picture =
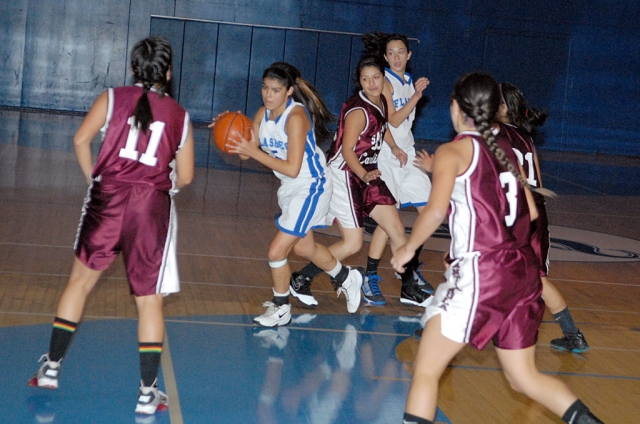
409	184
519	122
146	155
284	140
492	288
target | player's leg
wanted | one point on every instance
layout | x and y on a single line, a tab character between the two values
150	341
349	244
417	275
344	279
370	287
68	314
572	340
387	217
522	374
433	356
278	308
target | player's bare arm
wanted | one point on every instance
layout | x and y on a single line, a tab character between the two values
89	128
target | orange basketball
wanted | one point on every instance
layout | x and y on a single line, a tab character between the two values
225	126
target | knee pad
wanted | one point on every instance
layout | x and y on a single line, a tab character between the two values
278	264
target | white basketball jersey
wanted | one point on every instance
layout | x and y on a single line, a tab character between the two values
403	89
274	141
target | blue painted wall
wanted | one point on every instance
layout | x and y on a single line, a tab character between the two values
580	59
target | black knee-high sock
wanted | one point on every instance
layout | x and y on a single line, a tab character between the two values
149	362
412	419
578	413
310	271
61	337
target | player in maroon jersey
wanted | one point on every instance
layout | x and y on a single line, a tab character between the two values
147	154
358	190
492	288
519	122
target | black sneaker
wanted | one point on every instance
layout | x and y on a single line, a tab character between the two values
571	343
300	287
412	295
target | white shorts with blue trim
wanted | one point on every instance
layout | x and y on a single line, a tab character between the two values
409	184
305	204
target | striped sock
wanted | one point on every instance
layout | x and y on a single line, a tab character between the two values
61	336
149	362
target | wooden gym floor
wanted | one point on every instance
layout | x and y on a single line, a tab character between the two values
225	226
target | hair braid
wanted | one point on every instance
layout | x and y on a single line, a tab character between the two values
478	96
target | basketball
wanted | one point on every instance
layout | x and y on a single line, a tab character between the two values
226	124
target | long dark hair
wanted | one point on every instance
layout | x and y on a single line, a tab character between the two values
304	92
519	113
478	96
150	62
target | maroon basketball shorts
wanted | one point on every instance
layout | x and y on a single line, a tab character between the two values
540	239
134	219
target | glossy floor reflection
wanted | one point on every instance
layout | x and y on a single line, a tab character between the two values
319	369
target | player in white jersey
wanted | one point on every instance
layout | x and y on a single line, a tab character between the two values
409	184
284	140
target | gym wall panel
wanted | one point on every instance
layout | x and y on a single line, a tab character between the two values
60	55
198	69
334	69
71	56
173	31
602	106
267	46
13	17
511	55
232	68
301	50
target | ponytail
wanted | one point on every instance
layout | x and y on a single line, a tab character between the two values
519	114
304	92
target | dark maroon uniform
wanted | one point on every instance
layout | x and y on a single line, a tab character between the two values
492	288
129	207
525	151
350	193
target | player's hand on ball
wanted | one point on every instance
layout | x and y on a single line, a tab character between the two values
213	121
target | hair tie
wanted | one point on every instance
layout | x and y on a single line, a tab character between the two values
526	112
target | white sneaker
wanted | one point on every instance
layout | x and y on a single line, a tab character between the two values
351	287
150	399
274	315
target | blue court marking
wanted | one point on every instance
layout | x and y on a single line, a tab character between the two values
99	377
226	371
